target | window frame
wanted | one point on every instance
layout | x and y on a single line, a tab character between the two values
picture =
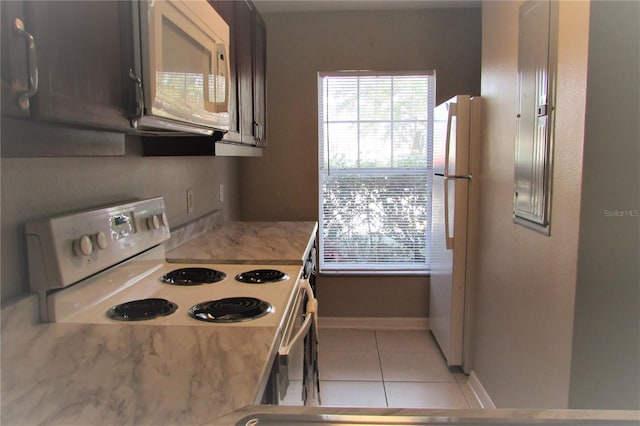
357	268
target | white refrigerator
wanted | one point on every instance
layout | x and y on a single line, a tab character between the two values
455	158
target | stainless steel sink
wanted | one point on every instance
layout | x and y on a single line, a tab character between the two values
333	419
381	420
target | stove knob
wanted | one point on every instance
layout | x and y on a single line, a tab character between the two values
83	246
164	219
153	222
101	240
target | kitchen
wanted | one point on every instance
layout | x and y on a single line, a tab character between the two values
527	314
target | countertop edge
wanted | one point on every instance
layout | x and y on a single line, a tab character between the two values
434	416
244	242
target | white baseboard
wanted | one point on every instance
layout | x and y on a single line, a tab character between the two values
374	323
481	394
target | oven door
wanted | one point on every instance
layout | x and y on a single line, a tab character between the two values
297	356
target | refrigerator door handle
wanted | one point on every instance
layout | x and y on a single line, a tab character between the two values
447	237
452	112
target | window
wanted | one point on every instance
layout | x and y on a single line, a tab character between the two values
375	157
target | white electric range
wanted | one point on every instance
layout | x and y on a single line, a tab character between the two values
107	266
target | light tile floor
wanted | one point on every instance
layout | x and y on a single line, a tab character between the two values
387	368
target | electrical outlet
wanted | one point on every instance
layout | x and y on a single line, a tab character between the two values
189	200
221	193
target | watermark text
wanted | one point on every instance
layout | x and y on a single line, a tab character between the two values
622	212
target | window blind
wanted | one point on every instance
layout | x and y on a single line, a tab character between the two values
375	159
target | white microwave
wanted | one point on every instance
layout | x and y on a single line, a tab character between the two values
181	67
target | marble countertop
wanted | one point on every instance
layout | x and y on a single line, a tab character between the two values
84	374
81	374
248	242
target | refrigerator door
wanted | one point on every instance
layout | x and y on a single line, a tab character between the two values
448	265
450	203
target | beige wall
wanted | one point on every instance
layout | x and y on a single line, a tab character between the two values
40	187
526	281
606	342
283	184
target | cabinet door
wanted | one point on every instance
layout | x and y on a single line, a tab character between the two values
248	71
245	51
84	53
15	62
260	84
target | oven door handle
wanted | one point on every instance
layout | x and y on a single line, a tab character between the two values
299	339
310	296
308	318
312	304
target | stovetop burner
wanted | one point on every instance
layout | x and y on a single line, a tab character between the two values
231	309
260	276
193	276
139	310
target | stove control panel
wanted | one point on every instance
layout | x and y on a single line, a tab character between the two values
157	220
65	249
122	225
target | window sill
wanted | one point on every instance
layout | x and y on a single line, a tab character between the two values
369	273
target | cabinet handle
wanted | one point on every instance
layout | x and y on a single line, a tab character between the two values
23	98
139	99
256	130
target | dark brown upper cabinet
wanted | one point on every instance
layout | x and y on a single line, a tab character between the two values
260	80
248	73
226	9
77	53
67	88
65	65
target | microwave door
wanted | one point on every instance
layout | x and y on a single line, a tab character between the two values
184	58
186	79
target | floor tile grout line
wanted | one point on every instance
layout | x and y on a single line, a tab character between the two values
385	383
